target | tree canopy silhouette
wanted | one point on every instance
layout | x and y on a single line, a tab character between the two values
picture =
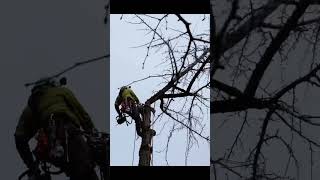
265	60
183	96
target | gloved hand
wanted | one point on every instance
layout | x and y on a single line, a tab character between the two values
121	119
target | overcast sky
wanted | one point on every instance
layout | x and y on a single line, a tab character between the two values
40	38
126	66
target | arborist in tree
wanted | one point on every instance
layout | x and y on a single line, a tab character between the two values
130	104
55	116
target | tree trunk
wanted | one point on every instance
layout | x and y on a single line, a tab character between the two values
146	148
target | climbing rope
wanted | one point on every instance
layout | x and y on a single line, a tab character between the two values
152	152
134	147
152	119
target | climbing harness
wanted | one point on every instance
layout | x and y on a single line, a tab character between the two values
126	106
42	148
126	109
98	142
57	151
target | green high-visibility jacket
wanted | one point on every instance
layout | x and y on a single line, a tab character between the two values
27	125
126	93
53	100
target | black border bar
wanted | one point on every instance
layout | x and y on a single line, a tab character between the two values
160	172
160	6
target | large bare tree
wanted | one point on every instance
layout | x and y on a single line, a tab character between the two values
183	94
264	82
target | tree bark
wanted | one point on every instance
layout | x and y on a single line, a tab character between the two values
146	148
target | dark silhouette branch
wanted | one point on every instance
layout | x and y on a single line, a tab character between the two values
264	127
266	59
81	63
187	63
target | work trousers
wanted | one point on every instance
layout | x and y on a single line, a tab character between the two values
135	115
80	164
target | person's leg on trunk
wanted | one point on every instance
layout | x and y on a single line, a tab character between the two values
136	116
80	157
